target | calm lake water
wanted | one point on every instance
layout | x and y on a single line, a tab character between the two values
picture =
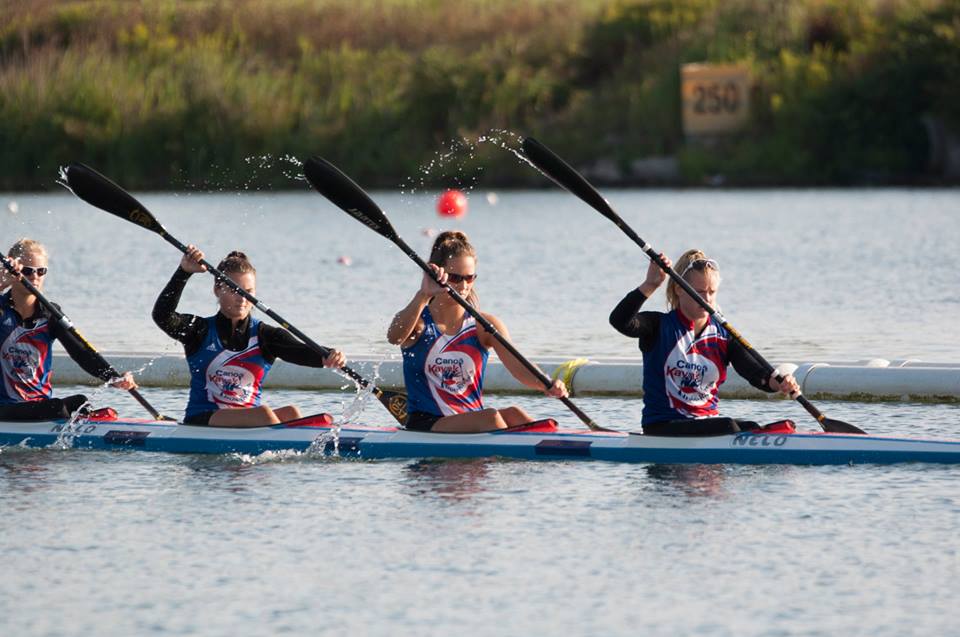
153	544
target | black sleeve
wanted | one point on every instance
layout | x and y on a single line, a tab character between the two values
88	360
627	319
186	328
748	366
276	342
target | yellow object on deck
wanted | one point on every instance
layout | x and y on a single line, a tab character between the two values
566	371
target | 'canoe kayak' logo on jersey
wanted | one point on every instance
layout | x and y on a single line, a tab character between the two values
453	371
20	360
231	385
690	376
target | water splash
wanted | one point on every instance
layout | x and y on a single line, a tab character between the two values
293	172
457	153
326	444
69	432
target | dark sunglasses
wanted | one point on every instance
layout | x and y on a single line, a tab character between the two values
461	278
29	271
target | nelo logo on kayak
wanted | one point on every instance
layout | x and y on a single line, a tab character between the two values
757	440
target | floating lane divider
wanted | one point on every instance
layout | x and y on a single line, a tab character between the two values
564	175
352	199
98	191
837	380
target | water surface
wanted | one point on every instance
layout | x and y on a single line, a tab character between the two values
121	543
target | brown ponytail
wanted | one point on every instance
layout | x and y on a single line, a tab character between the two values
451	244
237	262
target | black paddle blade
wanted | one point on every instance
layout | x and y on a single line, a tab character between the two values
346	194
839	427
566	177
102	193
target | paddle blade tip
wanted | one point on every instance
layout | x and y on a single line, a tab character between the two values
839	427
99	191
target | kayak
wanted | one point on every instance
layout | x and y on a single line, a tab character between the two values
542	440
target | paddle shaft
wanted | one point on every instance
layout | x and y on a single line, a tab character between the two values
487	325
67	324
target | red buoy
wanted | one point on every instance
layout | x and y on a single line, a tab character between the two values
452	203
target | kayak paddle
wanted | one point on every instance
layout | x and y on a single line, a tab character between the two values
98	191
346	194
67	324
567	177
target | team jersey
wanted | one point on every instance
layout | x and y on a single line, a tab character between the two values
223	378
683	371
444	374
26	356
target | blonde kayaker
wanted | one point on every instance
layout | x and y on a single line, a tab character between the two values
27	333
686	352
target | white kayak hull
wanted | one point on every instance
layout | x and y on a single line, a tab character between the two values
540	443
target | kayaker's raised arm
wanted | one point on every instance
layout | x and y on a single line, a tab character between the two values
406	326
185	328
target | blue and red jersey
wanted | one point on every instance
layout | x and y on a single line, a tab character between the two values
683	372
444	374
222	378
26	356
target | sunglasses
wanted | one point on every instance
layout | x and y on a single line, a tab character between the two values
700	265
29	271
461	278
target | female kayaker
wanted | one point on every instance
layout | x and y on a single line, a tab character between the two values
445	351
686	352
230	353
27	332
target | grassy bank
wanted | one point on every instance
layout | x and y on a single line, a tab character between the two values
213	94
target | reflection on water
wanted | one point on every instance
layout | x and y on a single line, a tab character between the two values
448	479
24	471
699	480
709	480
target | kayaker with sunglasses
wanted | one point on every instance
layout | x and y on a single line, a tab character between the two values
27	332
686	352
230	353
445	351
